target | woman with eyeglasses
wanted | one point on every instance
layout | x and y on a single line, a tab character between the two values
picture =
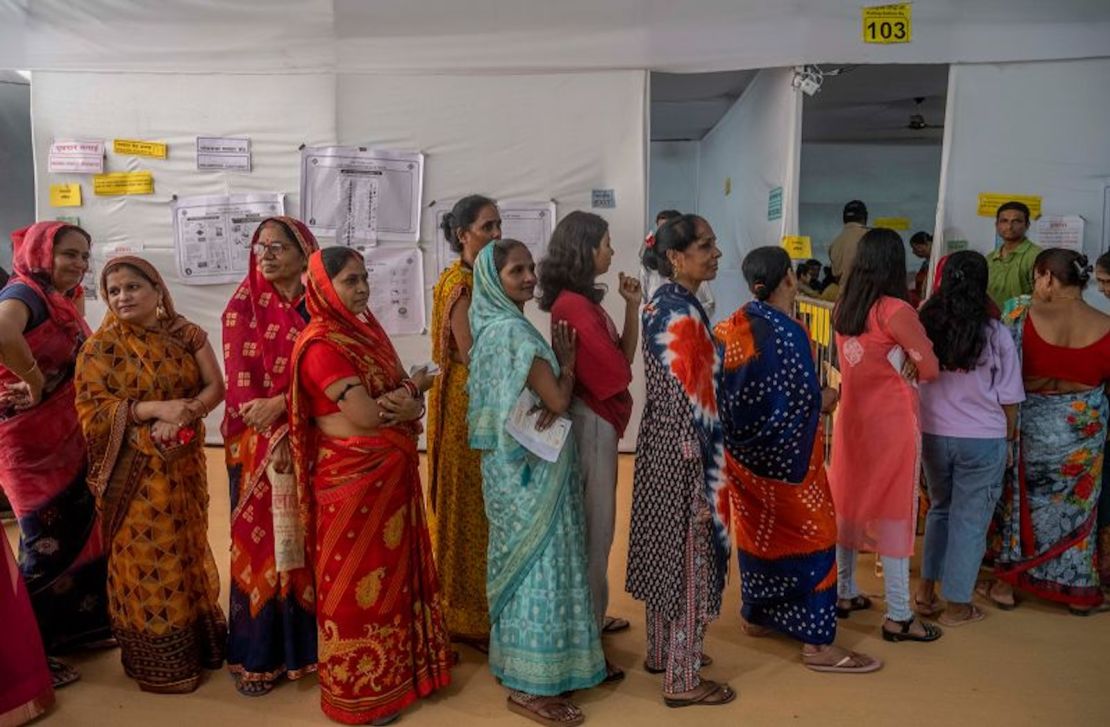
271	620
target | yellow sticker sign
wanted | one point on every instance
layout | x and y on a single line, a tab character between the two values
65	195
887	24
153	149
989	202
798	246
892	223
117	183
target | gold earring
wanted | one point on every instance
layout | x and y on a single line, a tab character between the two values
160	311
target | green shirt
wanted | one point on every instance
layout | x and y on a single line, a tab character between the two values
1012	276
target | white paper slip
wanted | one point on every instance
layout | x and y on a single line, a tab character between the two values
431	368
217	152
521	426
76	156
897	358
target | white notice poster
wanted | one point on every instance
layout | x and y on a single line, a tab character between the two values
76	156
1060	231
397	288
212	235
530	222
230	153
359	193
101	256
400	188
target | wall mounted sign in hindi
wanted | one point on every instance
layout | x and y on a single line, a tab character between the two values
892	223
799	246
231	154
1064	231
212	234
989	202
67	194
955	245
116	184
888	24
134	147
603	199
774	204
76	156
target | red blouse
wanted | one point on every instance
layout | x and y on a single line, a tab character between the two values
1089	365
321	367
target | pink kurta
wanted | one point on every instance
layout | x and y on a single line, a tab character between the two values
876	453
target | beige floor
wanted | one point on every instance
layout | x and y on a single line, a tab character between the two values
1033	666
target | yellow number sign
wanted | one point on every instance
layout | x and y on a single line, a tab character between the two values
798	246
887	24
989	202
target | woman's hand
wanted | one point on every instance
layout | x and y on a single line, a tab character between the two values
260	414
423	379
564	340
829	399
629	288
283	457
399	406
177	411
164	432
22	395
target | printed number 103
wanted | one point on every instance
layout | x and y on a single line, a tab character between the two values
886	30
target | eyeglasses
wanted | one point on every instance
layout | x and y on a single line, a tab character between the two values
274	249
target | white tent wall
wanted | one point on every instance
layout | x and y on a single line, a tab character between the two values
17	182
555	136
1028	128
277	112
753	149
893	180
673	182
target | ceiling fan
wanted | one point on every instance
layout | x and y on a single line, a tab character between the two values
917	120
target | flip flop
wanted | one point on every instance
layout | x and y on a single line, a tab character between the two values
928	609
613	673
615	624
851	663
976	615
252	688
855	603
706	660
525	710
61	674
986	590
708	694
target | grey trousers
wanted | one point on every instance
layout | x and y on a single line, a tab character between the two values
597	462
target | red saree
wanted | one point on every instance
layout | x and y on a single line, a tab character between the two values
43	464
26	692
383	642
271	621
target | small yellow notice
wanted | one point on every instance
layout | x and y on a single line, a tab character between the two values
117	183
153	149
887	24
989	202
892	223
798	246
65	195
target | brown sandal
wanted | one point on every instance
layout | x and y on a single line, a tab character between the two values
850	662
544	710
708	693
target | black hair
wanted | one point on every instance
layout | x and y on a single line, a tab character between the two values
112	267
335	258
74	228
955	319
501	250
462	216
1103	262
1067	266
675	234
879	269
921	237
666	216
855	211
806	265
764	269
569	264
1013	206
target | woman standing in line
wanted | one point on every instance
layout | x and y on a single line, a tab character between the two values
578	253
544	641
677	555
43	459
1047	538
876	452
771	410
458	517
145	381
967	415
354	418
271	620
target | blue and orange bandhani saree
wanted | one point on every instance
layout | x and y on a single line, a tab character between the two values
782	516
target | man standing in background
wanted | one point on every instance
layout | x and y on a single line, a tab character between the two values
842	250
1011	265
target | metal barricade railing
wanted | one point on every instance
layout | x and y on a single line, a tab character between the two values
816	315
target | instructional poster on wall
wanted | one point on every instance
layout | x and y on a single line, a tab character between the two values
1060	231
397	288
530	222
401	179
359	194
212	234
101	255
